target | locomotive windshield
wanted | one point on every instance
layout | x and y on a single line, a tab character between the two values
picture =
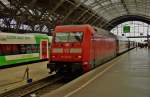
68	37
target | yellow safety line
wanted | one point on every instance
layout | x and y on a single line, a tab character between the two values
98	75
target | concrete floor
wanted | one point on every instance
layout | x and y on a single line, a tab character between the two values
126	76
11	78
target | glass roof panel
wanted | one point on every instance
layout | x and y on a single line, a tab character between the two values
137	28
95	7
89	2
105	3
121	7
6	3
115	1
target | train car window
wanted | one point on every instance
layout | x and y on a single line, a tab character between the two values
37	46
23	49
15	49
29	48
8	49
68	36
33	48
1	51
61	37
76	37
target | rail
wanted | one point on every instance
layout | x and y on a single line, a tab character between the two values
32	87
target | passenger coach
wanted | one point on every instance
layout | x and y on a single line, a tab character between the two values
20	48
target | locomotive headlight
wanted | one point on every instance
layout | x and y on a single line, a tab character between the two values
53	56
57	50
75	50
79	56
85	63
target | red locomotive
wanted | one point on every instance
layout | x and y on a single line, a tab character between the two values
80	48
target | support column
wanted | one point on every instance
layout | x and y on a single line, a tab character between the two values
148	41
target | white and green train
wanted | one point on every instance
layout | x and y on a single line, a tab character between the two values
21	48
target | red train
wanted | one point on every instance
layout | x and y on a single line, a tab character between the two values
80	48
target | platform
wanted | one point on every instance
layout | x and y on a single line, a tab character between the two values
126	76
11	78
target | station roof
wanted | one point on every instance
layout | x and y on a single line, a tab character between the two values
44	15
117	11
111	9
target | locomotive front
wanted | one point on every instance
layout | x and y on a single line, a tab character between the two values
67	47
66	50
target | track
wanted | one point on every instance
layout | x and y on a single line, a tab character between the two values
35	87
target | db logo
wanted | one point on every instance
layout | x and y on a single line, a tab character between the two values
66	50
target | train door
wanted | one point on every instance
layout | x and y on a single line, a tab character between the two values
44	49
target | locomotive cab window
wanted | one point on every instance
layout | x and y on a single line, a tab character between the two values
69	37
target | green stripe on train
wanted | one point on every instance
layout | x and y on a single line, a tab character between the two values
4	62
38	38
